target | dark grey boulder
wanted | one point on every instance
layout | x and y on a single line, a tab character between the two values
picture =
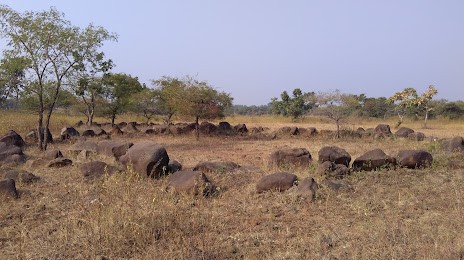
96	169
334	154
59	163
147	159
68	133
307	188
18	175
12	138
404	132
414	158
291	157
217	167
191	182
382	129
8	189
373	160
52	154
280	181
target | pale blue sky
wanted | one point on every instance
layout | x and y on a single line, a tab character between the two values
256	49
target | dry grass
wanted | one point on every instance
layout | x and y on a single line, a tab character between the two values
402	214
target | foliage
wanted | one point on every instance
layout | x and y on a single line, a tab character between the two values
146	103
423	102
403	100
12	74
451	110
118	88
168	92
335	105
295	106
53	47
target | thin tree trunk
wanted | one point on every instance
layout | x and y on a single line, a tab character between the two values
426	117
40	123
112	119
197	129
338	129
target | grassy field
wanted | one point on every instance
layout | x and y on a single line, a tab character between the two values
397	214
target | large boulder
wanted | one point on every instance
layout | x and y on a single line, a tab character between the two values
8	189
148	159
372	160
191	182
382	129
32	137
115	130
52	154
96	169
68	132
292	157
113	149
174	166
130	128
307	188
88	133
18	175
414	158
217	167
307	132
404	132
34	164
241	128
334	154
9	151
417	136
83	145
12	138
207	128
280	181
224	126
454	145
330	169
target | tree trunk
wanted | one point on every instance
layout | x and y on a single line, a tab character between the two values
39	128
426	117
338	129
113	117
197	128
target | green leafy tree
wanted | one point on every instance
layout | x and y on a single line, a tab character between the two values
403	100
201	101
295	106
118	89
54	47
146	103
335	105
12	76
423	102
169	91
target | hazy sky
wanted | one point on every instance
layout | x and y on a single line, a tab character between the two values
256	49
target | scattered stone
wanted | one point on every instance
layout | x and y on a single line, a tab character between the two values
280	181
454	145
113	149
18	175
115	130
68	132
12	138
404	132
191	182
417	136
334	154
34	164
292	157
96	169
307	132
383	129
294	130
130	128
207	128
373	160
149	131
218	167
148	159
88	133
8	189
414	158
331	169
14	159
241	128
52	154
327	133
307	188
224	126
33	137
59	162
83	145
174	166
7	150
83	156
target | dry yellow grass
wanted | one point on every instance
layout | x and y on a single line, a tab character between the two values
402	214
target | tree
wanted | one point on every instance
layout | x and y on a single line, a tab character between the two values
118	88
403	100
295	106
12	75
169	92
54	47
424	102
201	101
88	85
146	103
335	105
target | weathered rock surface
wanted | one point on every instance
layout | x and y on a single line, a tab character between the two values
292	157
454	145
191	182
174	166
148	159
10	152
404	132
68	132
241	128
96	169
372	160
32	137
334	154
18	175
8	189
52	154
224	126
280	181
307	188
59	162
331	169
12	138
414	158
113	149
83	145
382	129
217	167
